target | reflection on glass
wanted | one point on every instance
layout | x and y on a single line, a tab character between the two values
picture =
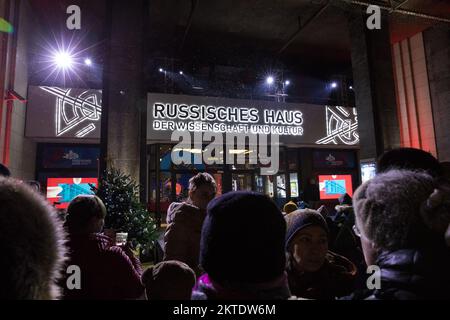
152	193
281	186
165	159
269	186
259	183
282	159
165	189
241	182
368	171
218	178
182	187
294	184
292	159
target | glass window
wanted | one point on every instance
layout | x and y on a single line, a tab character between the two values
282	160
269	186
218	178
165	160
293	177
259	184
152	192
165	189
182	186
292	159
241	182
281	186
193	157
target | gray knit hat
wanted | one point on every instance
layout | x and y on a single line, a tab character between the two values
402	208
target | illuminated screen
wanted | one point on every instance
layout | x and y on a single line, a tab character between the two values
333	186
368	171
63	190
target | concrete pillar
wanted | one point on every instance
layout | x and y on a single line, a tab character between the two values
17	151
123	136
374	86
437	50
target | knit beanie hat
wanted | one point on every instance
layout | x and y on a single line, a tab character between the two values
243	239
403	209
289	207
301	219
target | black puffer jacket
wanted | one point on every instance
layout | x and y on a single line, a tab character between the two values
410	274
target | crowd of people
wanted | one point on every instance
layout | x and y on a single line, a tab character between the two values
240	245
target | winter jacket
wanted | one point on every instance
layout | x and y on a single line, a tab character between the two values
342	239
411	274
208	289
182	236
107	272
336	278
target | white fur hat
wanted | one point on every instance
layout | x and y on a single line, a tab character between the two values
31	244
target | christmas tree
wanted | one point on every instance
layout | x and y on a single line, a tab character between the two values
124	211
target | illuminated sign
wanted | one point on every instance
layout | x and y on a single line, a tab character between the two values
75	113
334	186
63	113
342	125
225	119
368	171
60	191
293	123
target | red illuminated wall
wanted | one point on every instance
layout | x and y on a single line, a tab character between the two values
413	95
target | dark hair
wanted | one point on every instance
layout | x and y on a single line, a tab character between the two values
409	159
201	179
81	210
4	171
168	280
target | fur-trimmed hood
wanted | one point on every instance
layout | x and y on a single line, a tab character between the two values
32	244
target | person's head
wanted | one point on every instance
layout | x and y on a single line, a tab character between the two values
409	159
86	214
242	239
289	207
345	199
306	240
4	171
401	209
168	280
202	189
31	243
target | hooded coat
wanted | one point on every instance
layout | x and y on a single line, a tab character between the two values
107	272
183	233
